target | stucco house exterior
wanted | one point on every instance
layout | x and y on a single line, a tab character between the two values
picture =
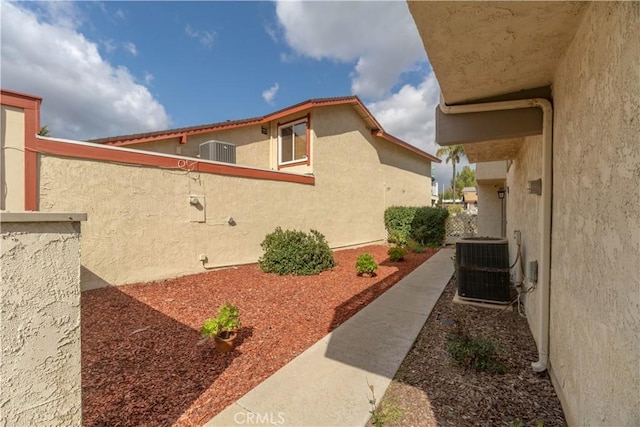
470	200
551	92
156	210
492	196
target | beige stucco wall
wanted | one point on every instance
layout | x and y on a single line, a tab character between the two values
139	228
40	323
490	215
523	214
491	176
492	171
595	277
12	159
355	163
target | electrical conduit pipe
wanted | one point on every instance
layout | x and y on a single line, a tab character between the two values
545	218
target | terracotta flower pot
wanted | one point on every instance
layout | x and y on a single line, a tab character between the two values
225	344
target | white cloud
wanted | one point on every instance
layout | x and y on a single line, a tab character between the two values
270	93
131	48
272	33
109	45
83	95
64	14
409	114
205	38
380	38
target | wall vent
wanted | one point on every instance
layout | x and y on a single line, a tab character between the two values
483	269
218	151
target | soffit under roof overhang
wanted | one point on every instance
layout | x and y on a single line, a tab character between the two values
490	151
494	51
484	49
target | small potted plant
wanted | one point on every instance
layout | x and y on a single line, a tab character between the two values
223	327
366	265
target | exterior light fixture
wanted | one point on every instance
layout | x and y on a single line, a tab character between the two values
501	193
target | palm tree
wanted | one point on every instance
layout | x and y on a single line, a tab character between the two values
454	153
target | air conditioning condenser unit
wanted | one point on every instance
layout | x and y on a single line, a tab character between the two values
218	151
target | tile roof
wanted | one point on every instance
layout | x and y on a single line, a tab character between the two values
376	128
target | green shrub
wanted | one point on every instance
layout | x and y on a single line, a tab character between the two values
478	353
454	209
415	246
428	226
398	238
397	220
365	264
295	252
396	254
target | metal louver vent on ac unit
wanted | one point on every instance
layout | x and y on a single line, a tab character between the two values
218	151
483	269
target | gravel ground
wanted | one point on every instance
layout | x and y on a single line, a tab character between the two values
144	362
428	390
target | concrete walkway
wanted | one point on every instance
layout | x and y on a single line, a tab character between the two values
328	384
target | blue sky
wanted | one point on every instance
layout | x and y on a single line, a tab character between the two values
110	68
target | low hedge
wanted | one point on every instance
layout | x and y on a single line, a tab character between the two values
397	220
424	225
429	226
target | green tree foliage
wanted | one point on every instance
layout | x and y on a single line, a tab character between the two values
447	194
465	178
453	154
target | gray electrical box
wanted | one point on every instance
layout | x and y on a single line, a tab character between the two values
533	271
535	187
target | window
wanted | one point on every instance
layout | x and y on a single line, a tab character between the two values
293	142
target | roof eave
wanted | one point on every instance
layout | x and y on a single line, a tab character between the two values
382	134
195	130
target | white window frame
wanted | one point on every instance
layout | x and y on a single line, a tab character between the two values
292	124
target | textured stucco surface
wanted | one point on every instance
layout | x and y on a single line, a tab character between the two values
138	225
12	167
40	325
481	49
523	213
595	277
491	171
490	215
594	68
491	151
491	176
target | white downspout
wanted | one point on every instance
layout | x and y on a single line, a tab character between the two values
545	218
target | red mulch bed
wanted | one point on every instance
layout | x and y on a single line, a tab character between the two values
144	362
